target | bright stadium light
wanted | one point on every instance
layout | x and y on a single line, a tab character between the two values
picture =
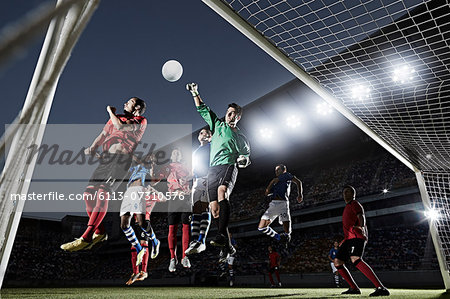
385	191
293	121
432	214
403	74
324	109
266	133
360	92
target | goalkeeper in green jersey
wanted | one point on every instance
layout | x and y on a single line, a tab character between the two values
229	150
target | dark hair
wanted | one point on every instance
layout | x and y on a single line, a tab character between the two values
349	187
141	103
237	107
282	166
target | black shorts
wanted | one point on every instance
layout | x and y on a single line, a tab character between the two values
221	175
111	171
351	247
177	217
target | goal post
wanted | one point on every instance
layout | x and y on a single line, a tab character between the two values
62	35
334	45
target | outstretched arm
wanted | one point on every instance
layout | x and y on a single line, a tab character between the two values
299	185
117	123
193	88
92	150
209	116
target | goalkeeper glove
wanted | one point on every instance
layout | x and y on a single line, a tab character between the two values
193	88
243	161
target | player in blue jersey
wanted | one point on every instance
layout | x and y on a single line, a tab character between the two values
331	257
278	190
134	203
201	217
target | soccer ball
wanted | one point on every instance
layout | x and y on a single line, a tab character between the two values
172	70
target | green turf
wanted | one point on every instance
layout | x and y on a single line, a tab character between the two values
206	292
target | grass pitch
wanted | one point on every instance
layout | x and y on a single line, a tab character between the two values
206	292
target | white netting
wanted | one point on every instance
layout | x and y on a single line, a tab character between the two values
344	44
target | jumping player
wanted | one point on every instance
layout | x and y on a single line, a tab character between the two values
278	190
201	217
352	247
178	183
228	148
118	140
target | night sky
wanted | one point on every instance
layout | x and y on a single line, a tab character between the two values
120	55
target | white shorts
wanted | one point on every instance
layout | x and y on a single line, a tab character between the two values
333	267
277	208
230	260
133	201
199	190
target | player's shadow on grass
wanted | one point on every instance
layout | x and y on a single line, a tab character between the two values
273	296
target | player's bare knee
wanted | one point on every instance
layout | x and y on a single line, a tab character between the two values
338	263
355	259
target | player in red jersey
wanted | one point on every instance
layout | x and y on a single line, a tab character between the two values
274	266
118	140
178	183
352	247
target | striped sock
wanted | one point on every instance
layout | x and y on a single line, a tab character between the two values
149	234
204	226
195	226
270	232
231	271
131	236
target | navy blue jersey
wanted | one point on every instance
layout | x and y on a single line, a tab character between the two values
200	161
333	253
282	189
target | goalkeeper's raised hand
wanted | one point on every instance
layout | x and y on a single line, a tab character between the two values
193	88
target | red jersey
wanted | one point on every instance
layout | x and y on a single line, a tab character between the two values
128	139
177	178
273	258
349	220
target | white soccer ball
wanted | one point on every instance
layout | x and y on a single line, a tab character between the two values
172	70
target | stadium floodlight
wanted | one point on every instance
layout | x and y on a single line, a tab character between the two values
360	92
324	109
293	121
266	133
403	74
385	191
432	214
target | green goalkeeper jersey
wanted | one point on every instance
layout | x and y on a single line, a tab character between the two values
226	145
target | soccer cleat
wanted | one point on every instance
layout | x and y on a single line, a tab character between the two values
381	291
96	239
195	247
279	284
173	265
273	286
76	245
231	283
140	256
155	249
185	262
351	292
142	275
219	241
132	279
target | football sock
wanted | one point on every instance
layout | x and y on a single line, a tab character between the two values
195	226
270	232
185	237
131	236
271	279
133	260
368	272
224	216
145	259
204	226
97	215
347	277
277	274
172	240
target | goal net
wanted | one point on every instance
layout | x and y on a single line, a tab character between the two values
68	20
384	64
